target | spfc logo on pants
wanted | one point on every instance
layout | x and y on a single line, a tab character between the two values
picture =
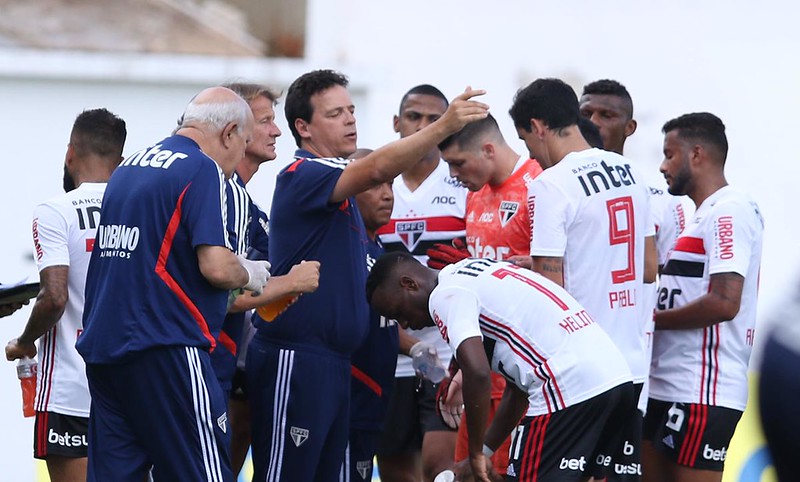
299	435
507	211
222	422
364	468
410	232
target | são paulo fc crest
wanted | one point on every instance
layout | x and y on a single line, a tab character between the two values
299	435
364	468
410	232
507	211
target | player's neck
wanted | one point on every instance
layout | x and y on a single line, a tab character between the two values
707	188
94	172
506	162
247	169
560	146
416	175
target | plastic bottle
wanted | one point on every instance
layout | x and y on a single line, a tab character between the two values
27	369
270	311
426	363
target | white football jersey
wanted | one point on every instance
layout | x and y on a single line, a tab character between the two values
709	365
593	210
432	213
669	213
548	345
63	235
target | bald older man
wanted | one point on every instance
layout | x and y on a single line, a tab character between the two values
156	295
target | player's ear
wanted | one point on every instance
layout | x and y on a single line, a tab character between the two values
487	149
538	128
302	128
396	124
228	132
408	283
630	127
69	155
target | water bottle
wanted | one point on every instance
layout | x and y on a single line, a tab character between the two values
426	363
27	368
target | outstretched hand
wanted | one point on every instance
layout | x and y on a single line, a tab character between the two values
462	110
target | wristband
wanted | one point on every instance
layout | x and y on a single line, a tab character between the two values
487	451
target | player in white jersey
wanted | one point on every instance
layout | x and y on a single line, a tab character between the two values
574	406
608	104
590	223
589	202
428	208
63	236
705	318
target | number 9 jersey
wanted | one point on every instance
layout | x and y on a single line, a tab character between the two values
593	210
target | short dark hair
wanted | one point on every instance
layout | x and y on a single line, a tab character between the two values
98	132
590	132
298	97
466	137
700	126
423	89
250	91
550	100
609	87
383	269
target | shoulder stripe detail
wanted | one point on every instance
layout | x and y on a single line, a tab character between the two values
294	165
336	163
688	244
161	271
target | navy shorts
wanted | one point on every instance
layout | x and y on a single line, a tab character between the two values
163	409
300	411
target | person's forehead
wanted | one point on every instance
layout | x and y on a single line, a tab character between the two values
332	98
672	138
602	101
262	106
424	104
454	153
